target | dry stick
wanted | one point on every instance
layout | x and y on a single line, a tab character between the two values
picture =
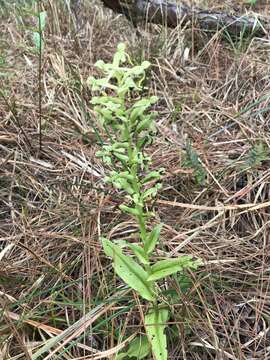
250	206
163	12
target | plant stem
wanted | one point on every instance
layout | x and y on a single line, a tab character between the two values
39	76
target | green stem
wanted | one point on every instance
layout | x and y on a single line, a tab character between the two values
142	226
135	183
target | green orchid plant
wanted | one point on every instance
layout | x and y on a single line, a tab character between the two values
130	125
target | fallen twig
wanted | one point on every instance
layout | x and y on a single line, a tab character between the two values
171	14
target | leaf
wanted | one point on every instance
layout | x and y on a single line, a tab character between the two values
152	239
155	323
140	107
146	64
139	348
121	157
129	271
120	55
152	192
140	253
37	41
109	101
42	20
251	2
127	175
121	356
153	175
168	267
130	210
100	65
144	124
121	183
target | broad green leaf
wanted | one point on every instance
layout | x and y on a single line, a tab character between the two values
155	323
129	271
140	253
121	243
152	239
168	267
139	348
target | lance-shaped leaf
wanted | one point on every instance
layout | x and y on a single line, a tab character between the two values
152	192
155	323
152	239
37	38
153	175
140	253
168	267
121	157
129	271
42	20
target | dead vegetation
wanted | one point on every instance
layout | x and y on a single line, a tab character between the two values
58	294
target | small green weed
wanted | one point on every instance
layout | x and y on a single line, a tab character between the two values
192	161
257	154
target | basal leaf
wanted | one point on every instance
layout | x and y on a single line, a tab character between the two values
168	267
155	323
139	348
129	271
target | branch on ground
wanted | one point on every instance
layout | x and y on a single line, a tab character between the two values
167	13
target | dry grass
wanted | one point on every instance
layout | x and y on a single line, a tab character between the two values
54	279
